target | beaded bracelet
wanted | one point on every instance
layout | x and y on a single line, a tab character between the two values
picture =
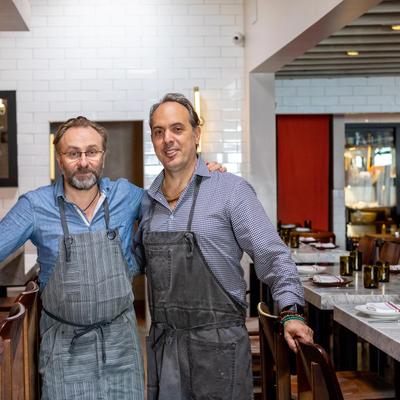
288	312
290	317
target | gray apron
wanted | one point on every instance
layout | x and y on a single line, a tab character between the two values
90	349
198	347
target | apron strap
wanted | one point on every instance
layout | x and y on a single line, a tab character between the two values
195	193
67	237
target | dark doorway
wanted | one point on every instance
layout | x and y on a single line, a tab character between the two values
124	157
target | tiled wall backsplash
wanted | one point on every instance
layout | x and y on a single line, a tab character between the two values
110	60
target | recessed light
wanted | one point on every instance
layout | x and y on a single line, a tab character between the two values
395	27
352	53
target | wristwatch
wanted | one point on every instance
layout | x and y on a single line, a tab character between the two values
295	308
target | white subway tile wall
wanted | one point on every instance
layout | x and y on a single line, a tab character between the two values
338	95
110	60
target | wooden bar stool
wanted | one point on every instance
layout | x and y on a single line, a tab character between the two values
318	380
29	339
12	378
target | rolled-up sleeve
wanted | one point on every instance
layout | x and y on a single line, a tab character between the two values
258	238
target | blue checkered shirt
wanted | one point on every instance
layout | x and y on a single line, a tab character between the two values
228	220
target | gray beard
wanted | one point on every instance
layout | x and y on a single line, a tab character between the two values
84	184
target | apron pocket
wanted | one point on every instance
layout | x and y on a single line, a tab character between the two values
159	266
83	361
211	369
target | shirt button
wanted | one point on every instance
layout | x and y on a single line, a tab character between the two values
171	216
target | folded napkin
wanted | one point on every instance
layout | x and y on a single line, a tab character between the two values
327	278
384	308
310	269
326	245
306	239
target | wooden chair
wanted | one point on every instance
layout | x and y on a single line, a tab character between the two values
390	252
317	379
12	379
276	379
29	339
368	247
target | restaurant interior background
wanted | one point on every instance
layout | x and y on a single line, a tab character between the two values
110	60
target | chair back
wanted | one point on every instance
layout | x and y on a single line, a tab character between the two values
368	248
274	352
316	376
12	383
390	252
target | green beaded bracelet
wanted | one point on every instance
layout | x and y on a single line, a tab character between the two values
287	318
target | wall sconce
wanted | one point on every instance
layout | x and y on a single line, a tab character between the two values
3	108
197	105
52	159
197	108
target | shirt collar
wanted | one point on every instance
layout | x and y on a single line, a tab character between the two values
105	185
201	170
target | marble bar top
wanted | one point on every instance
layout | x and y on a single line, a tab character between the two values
385	334
13	256
325	298
18	268
309	254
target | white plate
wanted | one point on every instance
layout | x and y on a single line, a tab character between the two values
376	314
310	269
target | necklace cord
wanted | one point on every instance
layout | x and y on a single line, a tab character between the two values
94	198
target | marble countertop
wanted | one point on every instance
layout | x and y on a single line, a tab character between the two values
12	257
385	335
325	298
18	268
308	254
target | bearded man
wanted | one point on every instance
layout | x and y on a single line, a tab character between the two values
82	227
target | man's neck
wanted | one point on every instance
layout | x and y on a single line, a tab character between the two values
79	197
176	180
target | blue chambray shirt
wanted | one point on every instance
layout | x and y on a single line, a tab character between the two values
228	220
36	216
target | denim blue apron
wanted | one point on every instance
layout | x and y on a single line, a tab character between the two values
198	346
90	348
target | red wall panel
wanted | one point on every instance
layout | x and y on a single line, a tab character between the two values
303	147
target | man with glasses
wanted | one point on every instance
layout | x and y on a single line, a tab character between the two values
82	227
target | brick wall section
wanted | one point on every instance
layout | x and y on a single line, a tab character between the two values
110	60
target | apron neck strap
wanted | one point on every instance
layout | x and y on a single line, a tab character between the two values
68	238
195	193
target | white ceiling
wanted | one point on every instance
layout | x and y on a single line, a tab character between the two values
371	35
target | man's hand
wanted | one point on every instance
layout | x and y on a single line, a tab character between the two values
295	329
214	166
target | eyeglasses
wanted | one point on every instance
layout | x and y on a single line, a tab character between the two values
75	155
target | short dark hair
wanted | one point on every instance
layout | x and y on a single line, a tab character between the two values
76	123
176	98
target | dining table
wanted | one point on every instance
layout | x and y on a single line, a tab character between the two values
383	333
314	253
321	300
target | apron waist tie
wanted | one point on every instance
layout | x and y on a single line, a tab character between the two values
86	328
168	331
